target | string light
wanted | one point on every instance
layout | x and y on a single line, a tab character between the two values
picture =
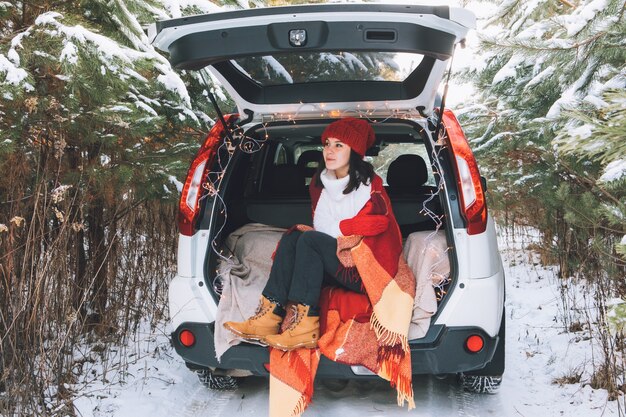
371	113
213	180
436	146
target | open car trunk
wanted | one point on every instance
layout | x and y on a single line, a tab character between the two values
268	189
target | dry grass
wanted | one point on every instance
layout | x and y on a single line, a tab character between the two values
599	274
62	285
573	377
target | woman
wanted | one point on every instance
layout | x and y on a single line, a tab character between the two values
347	199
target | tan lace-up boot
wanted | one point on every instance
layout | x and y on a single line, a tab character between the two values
264	323
303	330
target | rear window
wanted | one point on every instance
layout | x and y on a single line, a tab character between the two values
391	151
387	154
294	68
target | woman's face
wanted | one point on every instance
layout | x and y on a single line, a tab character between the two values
337	157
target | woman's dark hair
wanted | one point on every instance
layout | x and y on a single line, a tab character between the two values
360	172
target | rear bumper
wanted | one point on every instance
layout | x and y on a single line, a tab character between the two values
441	351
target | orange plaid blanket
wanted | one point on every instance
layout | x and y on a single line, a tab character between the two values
354	332
369	330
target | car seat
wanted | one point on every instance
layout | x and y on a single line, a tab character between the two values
407	176
309	162
286	181
406	179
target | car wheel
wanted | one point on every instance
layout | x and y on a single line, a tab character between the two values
216	382
334	384
480	384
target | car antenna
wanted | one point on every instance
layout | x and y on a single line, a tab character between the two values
445	94
220	115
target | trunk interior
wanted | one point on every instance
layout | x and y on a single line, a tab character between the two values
266	182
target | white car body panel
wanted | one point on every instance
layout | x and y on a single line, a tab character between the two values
459	23
190	302
479	253
186	256
475	302
188	296
477	298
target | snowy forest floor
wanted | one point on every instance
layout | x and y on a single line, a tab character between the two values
147	378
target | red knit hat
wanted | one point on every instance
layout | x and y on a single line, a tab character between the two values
356	133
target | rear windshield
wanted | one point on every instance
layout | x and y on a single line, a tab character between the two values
293	68
391	151
387	154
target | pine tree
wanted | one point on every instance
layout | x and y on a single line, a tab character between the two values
96	131
548	130
107	113
598	134
549	57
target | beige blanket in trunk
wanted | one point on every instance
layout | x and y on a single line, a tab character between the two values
243	276
427	255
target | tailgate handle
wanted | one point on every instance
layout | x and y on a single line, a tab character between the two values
380	35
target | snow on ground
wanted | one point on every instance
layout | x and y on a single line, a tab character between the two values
146	378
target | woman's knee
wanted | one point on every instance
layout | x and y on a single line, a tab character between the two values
308	236
290	239
287	245
315	239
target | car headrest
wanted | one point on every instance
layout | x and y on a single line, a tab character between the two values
309	161
407	172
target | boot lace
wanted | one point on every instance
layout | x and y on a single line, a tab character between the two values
294	317
261	310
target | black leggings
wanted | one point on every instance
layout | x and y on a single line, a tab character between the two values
303	262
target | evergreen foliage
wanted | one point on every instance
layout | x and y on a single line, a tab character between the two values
548	130
598	134
325	66
543	82
96	132
91	103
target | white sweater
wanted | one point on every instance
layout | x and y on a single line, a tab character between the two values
335	206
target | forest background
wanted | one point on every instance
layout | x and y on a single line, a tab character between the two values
97	131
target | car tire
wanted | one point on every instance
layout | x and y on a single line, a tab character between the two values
480	384
216	382
488	379
335	384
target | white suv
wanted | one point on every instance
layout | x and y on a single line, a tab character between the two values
291	71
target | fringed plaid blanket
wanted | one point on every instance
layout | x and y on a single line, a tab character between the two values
381	343
368	330
292	376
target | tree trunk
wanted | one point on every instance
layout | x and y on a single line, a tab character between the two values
97	243
98	252
80	260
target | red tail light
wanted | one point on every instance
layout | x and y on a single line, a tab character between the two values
193	189
473	205
474	343
187	338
